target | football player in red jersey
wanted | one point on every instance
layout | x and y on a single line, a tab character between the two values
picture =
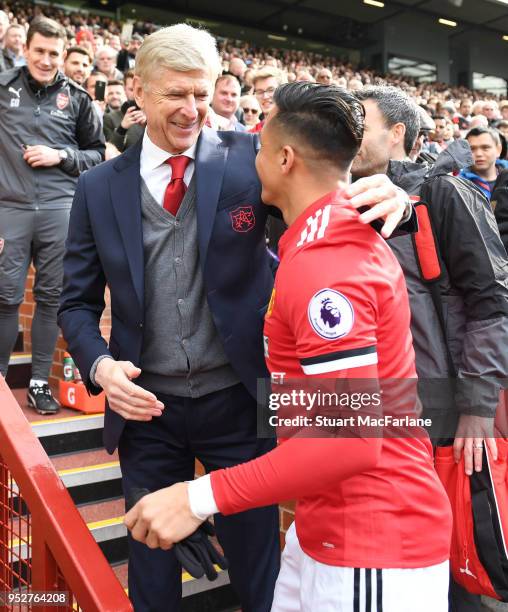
373	523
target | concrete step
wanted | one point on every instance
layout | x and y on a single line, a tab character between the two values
70	434
92	476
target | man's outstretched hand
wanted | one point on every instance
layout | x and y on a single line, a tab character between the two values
129	400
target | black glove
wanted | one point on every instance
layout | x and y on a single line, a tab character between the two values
195	553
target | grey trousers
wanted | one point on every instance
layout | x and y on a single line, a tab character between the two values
28	236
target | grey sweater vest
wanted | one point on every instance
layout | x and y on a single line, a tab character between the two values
182	353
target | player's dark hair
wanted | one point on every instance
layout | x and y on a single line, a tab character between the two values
326	117
478	131
45	27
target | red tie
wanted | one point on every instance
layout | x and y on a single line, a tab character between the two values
176	188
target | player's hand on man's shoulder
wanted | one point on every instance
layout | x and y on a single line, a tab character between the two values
386	201
129	400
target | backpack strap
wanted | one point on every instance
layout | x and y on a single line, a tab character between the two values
431	268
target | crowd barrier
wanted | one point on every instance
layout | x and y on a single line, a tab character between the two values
49	560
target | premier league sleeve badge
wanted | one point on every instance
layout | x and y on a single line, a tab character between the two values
330	314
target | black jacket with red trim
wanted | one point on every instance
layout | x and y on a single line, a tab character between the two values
473	286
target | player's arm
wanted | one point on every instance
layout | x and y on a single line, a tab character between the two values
300	466
348	351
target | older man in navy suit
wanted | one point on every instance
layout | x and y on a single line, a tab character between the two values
175	228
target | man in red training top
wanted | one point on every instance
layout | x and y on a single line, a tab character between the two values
373	524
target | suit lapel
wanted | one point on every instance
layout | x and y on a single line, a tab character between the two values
126	199
211	158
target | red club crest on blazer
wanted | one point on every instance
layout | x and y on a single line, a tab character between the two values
243	218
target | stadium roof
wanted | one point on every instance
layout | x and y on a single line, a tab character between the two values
344	22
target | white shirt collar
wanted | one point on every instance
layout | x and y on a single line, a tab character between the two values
154	156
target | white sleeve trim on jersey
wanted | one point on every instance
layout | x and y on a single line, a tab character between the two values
340	360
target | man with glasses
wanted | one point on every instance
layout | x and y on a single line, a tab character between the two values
265	83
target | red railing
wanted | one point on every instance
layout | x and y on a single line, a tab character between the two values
45	545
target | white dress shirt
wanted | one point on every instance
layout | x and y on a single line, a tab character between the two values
156	172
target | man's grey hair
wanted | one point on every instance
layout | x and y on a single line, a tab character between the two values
179	47
396	107
106	49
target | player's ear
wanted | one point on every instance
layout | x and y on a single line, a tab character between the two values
287	159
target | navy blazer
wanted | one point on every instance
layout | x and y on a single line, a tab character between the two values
105	246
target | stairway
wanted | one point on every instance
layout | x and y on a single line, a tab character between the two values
74	443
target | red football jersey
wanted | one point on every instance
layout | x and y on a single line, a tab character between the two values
340	309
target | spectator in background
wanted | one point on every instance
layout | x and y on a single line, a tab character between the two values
479	121
4	24
238	68
115	96
37	182
115	43
502	126
126	59
124	122
131	128
225	103
84	38
247	87
477	108
90	82
341	82
14	44
78	64
447	110
490	110
420	151
486	148
265	83
438	135
464	116
105	62
324	77
128	80
503	109
251	110
448	136
355	85
90	86
304	76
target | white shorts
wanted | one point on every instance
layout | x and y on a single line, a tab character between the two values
306	585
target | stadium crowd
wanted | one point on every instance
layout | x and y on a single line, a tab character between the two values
444	144
97	52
